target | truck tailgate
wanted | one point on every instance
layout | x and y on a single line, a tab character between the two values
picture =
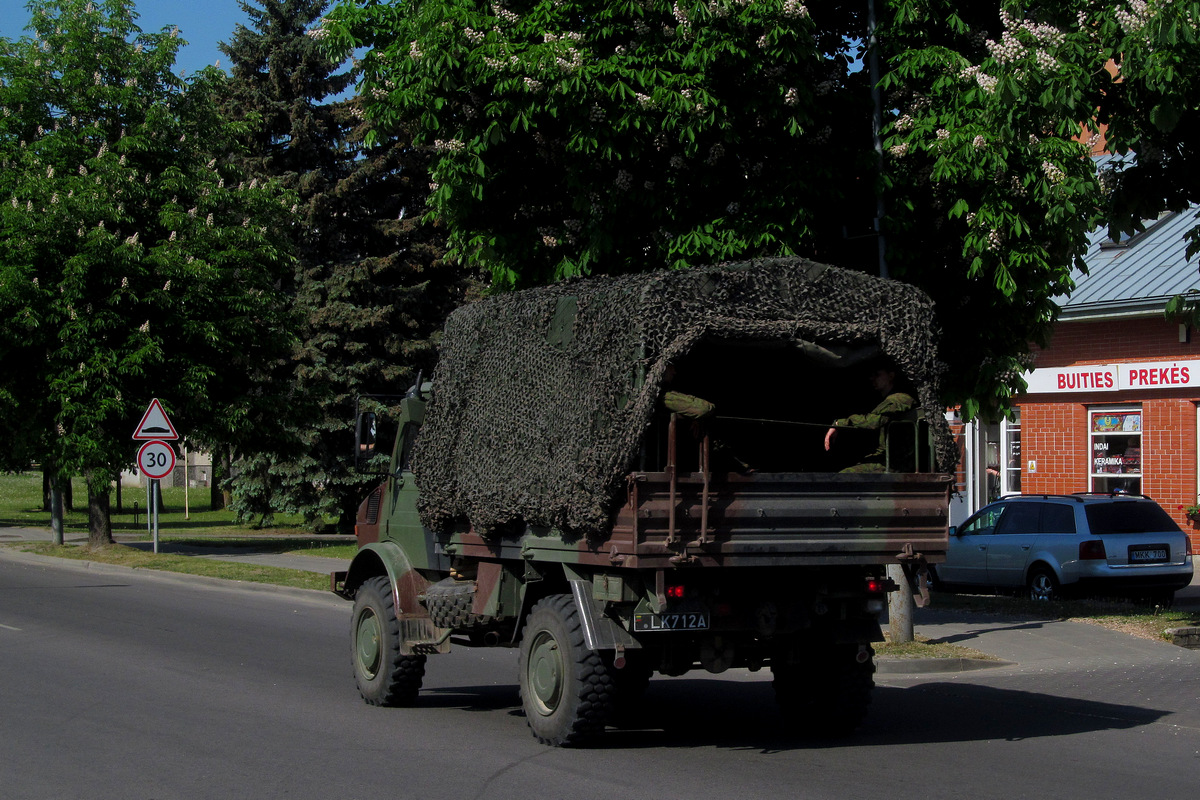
786	518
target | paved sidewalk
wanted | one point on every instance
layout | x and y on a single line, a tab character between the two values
1049	644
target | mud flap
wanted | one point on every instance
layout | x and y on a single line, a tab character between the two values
599	632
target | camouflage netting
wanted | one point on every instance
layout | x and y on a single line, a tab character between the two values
534	418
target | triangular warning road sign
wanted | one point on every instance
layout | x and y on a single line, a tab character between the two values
155	424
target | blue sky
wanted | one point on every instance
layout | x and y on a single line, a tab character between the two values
202	23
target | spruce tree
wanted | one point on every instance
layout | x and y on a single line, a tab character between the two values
371	287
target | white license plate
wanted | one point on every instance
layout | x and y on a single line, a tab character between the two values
1147	555
682	621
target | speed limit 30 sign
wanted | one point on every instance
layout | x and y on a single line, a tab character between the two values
156	459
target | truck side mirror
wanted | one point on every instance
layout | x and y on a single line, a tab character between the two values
364	440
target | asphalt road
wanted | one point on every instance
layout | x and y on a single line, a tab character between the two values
124	685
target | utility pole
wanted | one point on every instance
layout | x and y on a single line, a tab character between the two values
900	602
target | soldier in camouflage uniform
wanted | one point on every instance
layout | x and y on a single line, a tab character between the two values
894	402
699	411
690	406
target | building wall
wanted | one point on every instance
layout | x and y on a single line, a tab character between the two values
1054	427
1115	341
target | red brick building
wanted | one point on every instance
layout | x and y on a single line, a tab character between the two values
1113	402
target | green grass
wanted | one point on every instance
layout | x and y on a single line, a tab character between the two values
923	648
21	505
197	527
188	565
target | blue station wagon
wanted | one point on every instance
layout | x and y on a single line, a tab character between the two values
1052	545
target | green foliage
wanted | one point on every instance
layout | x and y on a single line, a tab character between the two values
991	200
135	259
576	137
370	287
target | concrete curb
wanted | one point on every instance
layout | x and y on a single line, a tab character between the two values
164	576
1185	637
917	666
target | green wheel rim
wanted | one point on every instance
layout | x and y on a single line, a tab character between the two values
545	673
367	643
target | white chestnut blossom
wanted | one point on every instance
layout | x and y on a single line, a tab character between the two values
1053	172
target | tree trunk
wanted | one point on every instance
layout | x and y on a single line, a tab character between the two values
56	510
99	522
216	498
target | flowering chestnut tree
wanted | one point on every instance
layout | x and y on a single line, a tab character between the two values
134	260
990	189
579	137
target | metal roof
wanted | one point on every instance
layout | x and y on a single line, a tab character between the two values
1138	278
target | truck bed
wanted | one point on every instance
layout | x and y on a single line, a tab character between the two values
784	518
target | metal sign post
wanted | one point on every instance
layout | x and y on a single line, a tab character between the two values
155	459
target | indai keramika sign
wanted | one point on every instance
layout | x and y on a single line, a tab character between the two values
1114	377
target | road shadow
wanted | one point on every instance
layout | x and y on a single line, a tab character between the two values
742	715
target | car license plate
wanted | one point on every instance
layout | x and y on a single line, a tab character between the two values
1147	555
682	621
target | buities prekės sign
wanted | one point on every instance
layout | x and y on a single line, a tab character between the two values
1114	377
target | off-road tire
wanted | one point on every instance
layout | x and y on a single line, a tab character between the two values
566	689
829	693
449	603
385	677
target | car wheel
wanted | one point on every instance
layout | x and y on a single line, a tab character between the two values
934	581
1043	586
566	689
384	675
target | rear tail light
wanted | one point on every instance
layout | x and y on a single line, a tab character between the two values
875	586
675	592
1091	550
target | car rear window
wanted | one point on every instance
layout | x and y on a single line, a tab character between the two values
1128	517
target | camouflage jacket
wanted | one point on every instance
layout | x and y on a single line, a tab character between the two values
877	419
686	405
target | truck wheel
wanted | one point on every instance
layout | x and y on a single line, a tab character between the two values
385	677
566	690
829	694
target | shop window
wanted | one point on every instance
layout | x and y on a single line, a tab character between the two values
1115	439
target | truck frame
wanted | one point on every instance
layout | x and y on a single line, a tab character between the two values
702	561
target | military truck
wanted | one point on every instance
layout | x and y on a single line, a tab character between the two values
539	495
